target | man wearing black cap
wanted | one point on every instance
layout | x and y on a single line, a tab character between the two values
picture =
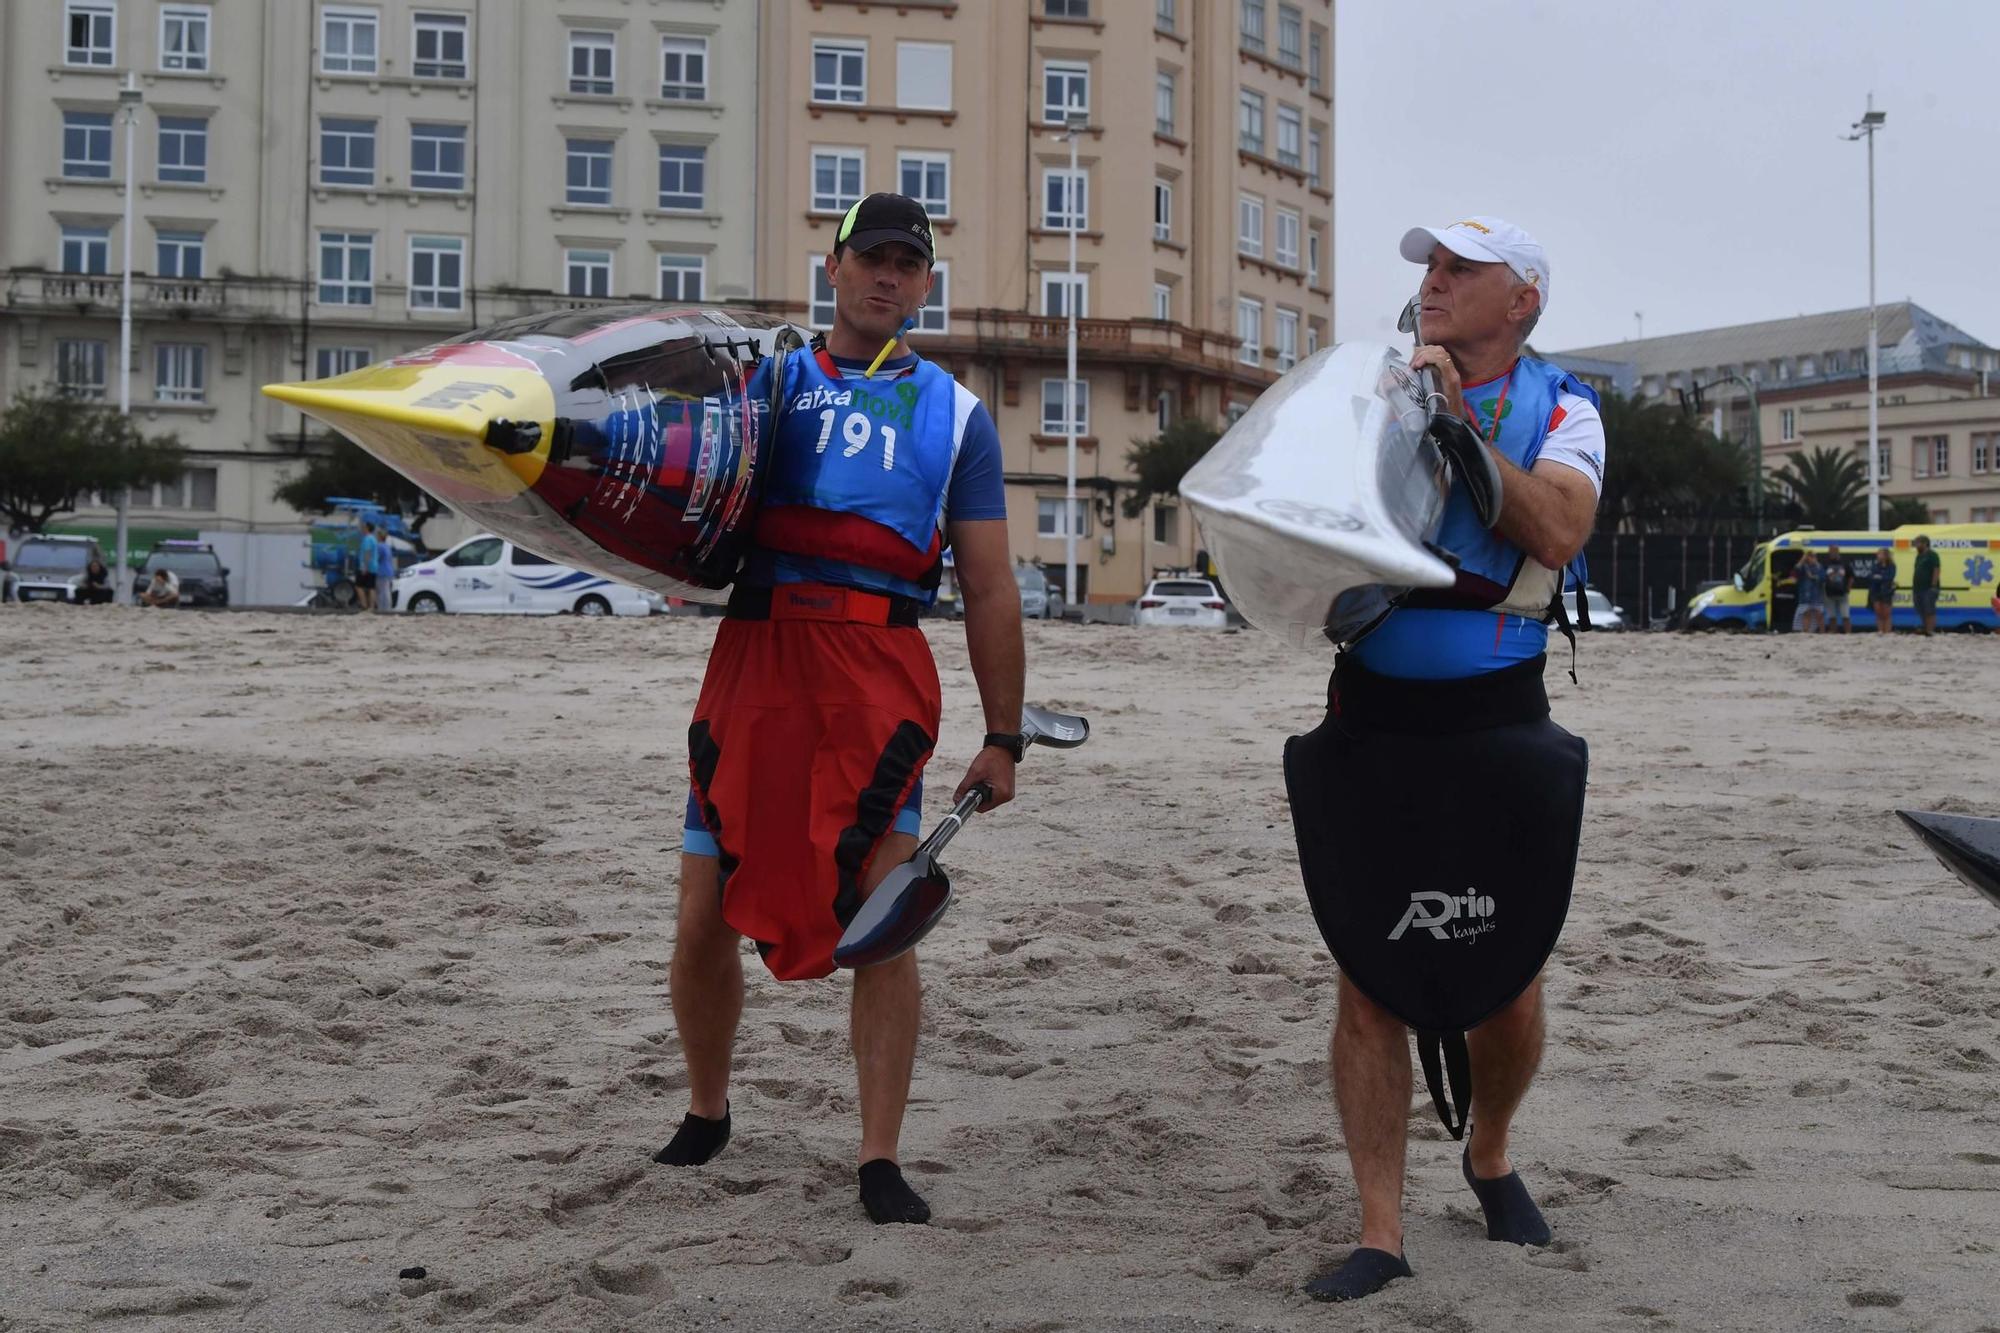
821	705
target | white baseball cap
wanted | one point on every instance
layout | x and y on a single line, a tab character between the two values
1487	240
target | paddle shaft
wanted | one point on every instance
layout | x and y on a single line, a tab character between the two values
948	828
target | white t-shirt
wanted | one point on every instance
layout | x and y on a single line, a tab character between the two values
1576	438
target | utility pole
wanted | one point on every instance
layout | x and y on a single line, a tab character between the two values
1871	121
128	100
1074	123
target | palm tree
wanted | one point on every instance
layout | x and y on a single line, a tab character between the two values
1829	486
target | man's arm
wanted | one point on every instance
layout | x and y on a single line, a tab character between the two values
1547	512
993	641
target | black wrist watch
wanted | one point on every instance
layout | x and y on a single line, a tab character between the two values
1013	742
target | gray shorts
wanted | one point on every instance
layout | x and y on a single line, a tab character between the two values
1836	609
1924	599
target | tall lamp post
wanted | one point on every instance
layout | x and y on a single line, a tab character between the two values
1871	121
1073	124
129	98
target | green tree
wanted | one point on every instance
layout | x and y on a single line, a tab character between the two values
1900	509
1828	487
1159	463
56	447
1663	471
345	469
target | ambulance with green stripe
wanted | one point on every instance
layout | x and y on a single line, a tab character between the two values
1762	595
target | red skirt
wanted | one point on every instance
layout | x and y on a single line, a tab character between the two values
805	743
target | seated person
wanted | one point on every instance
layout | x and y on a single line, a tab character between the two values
95	590
164	590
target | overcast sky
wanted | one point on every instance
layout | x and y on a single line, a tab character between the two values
1681	159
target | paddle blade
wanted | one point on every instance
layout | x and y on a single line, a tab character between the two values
908	902
1968	846
1061	731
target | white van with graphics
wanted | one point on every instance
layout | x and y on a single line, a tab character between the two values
492	575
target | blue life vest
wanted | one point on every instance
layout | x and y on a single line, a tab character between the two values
879	451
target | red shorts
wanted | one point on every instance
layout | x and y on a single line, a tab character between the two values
805	743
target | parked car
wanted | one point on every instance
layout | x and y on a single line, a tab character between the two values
491	575
48	568
1040	599
1603	615
204	579
1182	601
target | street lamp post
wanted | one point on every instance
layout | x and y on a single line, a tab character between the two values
1871	121
128	100
1073	124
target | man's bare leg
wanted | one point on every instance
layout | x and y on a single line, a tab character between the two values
1371	1087
883	1021
1506	1050
707	988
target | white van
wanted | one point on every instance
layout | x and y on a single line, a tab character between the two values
492	575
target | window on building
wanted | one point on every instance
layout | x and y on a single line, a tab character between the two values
198	489
349	40
682	277
1166	517
1054	419
181	373
684	69
1939	516
593	63
587	272
346	151
1985	454
1252	29
1312	257
1065	89
86	145
1163	301
1312	337
836	179
183	149
1065	200
683	177
1250	121
437	273
1940	455
923	75
80	366
1291	127
1163	211
1920	456
346	268
1316	60
926	178
819	304
91	32
1250	330
1163	103
86	249
1285	337
1165	15
1291	37
1314	155
934	316
331	361
184	37
1788	423
1049	515
438	46
1250	226
177	254
1882	450
840	72
1057	291
1066	9
1163	409
588	171
437	156
1285	244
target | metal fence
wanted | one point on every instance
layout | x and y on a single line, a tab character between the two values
1653	574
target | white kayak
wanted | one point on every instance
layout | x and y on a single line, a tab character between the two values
1317	505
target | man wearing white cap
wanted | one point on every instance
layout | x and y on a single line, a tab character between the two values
1438	808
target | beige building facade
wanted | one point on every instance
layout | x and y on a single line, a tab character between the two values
324	183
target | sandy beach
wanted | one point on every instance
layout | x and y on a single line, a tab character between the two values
335	946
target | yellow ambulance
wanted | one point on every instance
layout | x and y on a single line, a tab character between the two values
1762	594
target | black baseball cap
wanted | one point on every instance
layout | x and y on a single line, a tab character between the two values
884	217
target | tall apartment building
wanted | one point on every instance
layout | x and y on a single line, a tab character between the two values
322	184
1938	421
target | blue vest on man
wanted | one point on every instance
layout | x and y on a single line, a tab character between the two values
1493	616
859	469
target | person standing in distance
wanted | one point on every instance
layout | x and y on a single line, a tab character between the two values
821	705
